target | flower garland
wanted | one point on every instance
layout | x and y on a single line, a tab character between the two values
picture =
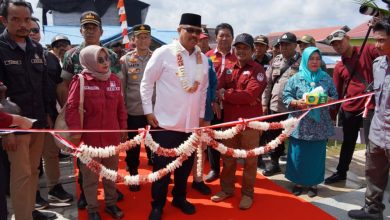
185	150
181	71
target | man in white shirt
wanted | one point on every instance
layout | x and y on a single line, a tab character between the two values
179	71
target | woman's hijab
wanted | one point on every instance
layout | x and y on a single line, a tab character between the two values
89	62
312	78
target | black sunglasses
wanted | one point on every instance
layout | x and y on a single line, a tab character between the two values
336	34
34	30
191	30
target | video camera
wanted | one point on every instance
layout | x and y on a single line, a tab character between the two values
370	8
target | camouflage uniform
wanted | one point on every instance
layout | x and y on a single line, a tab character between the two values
72	66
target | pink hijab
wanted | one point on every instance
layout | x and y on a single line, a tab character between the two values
88	60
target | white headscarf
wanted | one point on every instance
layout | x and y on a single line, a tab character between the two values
89	61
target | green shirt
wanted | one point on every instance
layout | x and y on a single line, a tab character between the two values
71	63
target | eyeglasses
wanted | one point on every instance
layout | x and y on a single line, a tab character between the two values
102	60
34	30
191	30
338	34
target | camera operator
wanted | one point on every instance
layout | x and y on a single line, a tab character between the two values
352	77
378	149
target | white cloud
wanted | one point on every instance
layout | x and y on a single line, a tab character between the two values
259	16
256	16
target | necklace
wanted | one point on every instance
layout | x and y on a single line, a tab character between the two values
182	74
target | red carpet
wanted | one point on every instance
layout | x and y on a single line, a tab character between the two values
270	202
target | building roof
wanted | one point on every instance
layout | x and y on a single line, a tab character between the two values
360	31
319	34
110	33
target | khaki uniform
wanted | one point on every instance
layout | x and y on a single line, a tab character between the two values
274	97
133	70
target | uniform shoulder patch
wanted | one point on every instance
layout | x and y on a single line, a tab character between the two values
260	77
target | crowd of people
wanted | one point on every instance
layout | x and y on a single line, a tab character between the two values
242	77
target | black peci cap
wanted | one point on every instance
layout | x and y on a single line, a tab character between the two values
191	19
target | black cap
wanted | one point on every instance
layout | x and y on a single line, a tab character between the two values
58	38
191	19
141	29
244	38
261	39
288	38
90	17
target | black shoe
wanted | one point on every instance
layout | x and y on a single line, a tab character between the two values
94	216
184	206
297	190
63	156
40	203
336	177
260	163
82	202
120	196
365	213
313	191
201	187
37	215
272	170
155	214
134	188
114	211
283	158
211	176
58	194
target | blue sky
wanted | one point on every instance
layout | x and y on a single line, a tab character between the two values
256	16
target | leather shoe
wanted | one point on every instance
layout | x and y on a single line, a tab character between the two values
336	177
272	170
37	215
366	213
155	214
184	206
297	190
220	196
82	202
94	216
211	176
114	211
120	196
313	191
201	187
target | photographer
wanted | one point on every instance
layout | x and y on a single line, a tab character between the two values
378	149
352	77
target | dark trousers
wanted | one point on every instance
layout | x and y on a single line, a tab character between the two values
170	139
377	173
132	155
271	135
4	183
351	122
214	155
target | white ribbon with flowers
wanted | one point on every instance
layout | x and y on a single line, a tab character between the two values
194	142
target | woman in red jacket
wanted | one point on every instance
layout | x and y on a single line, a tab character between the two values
103	109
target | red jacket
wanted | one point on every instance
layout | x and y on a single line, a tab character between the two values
243	89
219	61
5	120
104	108
364	67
